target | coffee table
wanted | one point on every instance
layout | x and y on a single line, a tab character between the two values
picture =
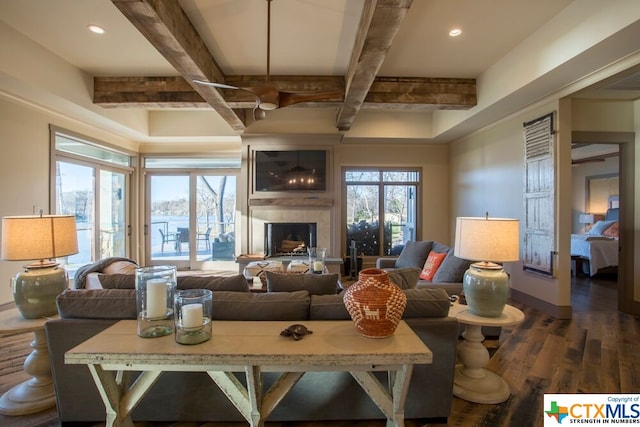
36	394
472	381
252	348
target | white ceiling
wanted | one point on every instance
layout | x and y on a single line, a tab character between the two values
309	37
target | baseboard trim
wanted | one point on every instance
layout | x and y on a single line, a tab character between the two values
559	312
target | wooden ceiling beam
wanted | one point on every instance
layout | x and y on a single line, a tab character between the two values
379	24
407	93
168	29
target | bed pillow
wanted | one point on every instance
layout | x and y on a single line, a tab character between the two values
613	230
599	227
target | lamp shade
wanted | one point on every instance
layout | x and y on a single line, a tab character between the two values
585	219
487	239
38	237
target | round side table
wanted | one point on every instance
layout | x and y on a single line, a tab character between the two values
472	381
36	394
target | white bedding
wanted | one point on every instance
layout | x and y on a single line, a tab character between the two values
601	251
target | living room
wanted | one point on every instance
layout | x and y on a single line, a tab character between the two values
471	161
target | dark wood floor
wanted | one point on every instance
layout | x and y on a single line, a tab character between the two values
595	352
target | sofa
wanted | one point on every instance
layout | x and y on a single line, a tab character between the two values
193	396
444	271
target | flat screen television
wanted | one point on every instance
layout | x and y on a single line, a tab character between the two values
298	170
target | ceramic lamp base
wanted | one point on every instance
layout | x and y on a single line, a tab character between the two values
35	290
486	289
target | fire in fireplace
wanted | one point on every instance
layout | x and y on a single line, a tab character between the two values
289	238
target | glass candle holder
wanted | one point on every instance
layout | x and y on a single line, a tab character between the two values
317	260
192	310
155	289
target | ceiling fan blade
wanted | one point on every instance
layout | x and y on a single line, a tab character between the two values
218	85
290	98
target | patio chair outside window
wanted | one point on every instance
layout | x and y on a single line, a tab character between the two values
168	238
204	236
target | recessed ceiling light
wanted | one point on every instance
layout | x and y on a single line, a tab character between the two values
455	32
96	29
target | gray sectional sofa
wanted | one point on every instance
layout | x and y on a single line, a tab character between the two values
193	396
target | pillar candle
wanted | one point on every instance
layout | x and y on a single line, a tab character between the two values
156	298
317	266
192	315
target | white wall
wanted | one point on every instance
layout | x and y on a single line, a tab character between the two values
24	167
487	175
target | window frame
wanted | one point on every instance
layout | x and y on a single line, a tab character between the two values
97	165
381	170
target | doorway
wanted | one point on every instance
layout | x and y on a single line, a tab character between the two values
626	143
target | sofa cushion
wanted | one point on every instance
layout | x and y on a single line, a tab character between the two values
117	281
404	278
315	284
235	283
97	304
426	303
260	306
328	307
414	254
420	303
452	269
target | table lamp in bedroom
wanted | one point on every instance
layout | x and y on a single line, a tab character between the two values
42	238
488	241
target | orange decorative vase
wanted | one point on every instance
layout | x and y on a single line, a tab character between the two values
375	303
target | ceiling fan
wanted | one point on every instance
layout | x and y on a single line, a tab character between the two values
268	97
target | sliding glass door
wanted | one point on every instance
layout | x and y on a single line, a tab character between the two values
97	199
191	220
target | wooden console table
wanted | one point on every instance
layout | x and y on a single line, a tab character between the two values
252	348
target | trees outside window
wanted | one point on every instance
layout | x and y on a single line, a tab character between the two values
381	209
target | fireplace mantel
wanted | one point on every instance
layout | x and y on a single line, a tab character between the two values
292	201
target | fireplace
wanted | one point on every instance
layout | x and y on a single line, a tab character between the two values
289	238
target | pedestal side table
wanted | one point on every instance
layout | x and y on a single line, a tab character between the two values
36	394
472	381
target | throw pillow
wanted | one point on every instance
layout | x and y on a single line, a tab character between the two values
404	278
414	254
452	269
315	284
431	265
121	267
117	281
613	230
235	283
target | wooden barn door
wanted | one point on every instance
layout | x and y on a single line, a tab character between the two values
539	196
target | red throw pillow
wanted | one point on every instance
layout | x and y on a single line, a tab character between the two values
431	265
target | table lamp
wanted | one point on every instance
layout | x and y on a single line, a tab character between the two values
488	241
587	220
38	237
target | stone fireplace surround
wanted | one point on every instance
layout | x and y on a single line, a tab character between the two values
261	215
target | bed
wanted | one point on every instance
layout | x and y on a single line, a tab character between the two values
599	246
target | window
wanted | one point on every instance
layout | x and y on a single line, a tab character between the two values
381	209
191	211
91	182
